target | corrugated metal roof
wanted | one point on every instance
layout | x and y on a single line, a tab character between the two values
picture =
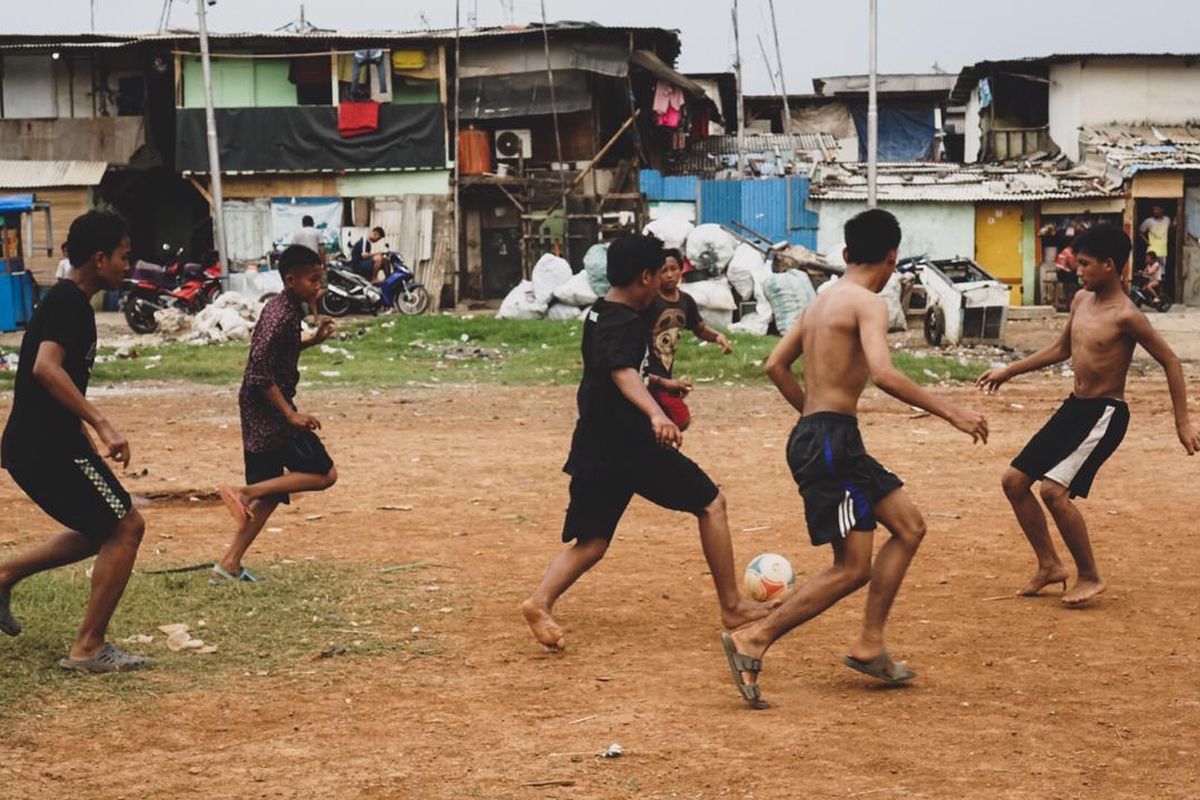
767	153
1122	151
934	82
968	78
43	174
953	183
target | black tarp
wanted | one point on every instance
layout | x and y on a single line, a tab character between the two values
307	138
524	94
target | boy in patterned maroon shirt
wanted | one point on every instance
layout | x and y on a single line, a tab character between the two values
276	436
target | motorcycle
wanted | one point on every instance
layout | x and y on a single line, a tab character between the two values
188	287
1141	297
347	290
401	290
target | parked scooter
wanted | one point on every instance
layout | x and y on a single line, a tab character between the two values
1141	297
186	286
347	291
401	290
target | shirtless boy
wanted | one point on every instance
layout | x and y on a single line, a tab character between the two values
1066	453
843	335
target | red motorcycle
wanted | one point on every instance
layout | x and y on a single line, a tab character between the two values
188	287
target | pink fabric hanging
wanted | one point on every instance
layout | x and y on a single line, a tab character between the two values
662	97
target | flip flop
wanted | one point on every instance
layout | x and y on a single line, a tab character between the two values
8	623
233	502
109	659
739	663
882	668
224	576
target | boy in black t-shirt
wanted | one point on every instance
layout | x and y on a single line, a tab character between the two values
49	455
625	445
669	313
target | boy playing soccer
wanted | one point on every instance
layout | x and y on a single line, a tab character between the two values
1099	338
843	338
625	445
669	313
275	435
49	455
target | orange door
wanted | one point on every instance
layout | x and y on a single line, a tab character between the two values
998	245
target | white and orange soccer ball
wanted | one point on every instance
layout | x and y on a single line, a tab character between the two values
767	575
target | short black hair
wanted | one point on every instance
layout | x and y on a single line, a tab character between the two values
672	252
306	221
379	230
95	232
296	258
870	236
630	255
1104	242
1152	254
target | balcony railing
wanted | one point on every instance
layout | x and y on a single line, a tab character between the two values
1003	144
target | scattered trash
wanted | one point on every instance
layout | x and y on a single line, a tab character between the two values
614	751
330	373
138	638
395	508
313	517
329	652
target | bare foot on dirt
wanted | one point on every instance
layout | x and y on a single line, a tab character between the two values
1045	577
236	504
1083	591
544	628
748	611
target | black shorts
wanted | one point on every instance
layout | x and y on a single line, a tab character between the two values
1070	448
839	482
304	453
662	475
77	490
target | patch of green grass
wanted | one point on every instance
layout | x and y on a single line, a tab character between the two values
398	350
279	625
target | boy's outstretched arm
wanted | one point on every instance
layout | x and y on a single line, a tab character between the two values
629	383
1136	325
710	334
779	364
872	332
1054	353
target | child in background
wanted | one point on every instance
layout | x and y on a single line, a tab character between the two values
668	315
275	435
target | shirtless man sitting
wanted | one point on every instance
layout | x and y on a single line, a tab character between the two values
843	335
1066	453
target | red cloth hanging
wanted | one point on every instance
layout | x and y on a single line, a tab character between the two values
358	118
700	122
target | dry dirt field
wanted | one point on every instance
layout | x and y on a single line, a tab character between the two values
1015	699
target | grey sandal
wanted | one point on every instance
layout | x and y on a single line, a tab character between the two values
882	668
739	663
109	659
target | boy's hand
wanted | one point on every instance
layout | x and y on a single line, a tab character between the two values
970	422
325	328
116	446
666	432
677	388
723	343
990	381
1189	437
306	421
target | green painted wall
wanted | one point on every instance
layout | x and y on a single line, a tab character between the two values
239	83
383	184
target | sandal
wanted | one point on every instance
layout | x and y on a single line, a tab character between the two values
109	659
221	576
882	668
739	663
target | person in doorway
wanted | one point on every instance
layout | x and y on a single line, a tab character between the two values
670	313
1151	274
1155	232
366	260
1065	455
308	236
625	445
842	336
49	455
1068	278
63	271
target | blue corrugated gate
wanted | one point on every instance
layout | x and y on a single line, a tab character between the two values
777	208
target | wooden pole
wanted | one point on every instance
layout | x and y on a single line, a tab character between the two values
787	111
737	71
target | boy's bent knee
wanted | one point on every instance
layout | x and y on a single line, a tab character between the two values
1015	483
717	506
912	531
1053	493
330	477
131	527
856	575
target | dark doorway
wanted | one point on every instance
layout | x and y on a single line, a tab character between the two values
501	261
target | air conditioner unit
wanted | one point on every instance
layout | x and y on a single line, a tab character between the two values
514	143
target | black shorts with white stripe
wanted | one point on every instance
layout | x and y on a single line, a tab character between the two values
839	482
76	489
1075	442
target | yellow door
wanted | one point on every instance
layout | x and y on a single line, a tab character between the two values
998	245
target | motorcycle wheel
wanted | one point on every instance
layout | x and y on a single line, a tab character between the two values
1164	305
334	305
140	316
412	301
212	294
935	326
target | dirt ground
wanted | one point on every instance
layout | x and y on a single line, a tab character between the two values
1015	699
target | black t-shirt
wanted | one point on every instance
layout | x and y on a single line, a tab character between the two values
38	423
614	337
665	321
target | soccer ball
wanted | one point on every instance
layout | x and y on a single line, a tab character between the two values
767	575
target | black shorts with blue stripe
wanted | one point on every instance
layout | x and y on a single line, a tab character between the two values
839	482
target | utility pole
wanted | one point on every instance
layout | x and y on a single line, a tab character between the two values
787	112
767	61
873	110
93	7
741	111
460	274
214	159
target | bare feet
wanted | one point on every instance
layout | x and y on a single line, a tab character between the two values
748	611
8	623
1082	591
1044	577
236	504
544	628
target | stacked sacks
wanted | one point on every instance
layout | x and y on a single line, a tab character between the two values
710	249
521	303
714	299
595	264
549	275
671	232
788	293
747	274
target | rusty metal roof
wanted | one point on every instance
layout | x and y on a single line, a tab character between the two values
958	183
1121	151
43	174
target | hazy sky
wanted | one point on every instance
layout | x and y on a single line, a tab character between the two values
817	38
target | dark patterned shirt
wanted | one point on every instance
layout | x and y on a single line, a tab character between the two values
273	360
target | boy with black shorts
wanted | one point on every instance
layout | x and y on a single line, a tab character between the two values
275	435
670	313
1065	455
625	445
49	455
843	338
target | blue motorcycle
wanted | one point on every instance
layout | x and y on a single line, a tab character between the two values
401	290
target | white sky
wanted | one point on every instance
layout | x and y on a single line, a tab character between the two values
816	37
